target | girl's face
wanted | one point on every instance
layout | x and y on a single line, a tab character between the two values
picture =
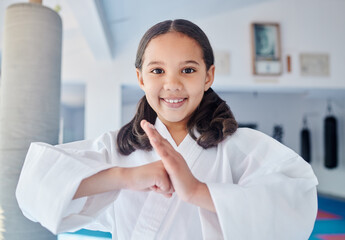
174	76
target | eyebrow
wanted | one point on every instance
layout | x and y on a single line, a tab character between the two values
155	63
192	62
182	63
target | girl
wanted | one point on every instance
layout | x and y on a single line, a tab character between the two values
180	169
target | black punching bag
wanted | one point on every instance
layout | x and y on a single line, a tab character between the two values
330	141
305	142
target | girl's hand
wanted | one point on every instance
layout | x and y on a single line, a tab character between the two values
152	176
184	183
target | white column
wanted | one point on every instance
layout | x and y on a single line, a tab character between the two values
29	103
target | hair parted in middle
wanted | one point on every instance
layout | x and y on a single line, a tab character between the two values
213	118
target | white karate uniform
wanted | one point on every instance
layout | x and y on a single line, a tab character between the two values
260	188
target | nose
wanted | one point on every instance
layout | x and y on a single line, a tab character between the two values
172	83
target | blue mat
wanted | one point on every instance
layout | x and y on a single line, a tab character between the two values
330	228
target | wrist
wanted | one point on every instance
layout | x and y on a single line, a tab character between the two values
202	197
197	193
118	176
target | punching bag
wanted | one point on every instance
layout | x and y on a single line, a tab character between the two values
29	104
305	142
330	141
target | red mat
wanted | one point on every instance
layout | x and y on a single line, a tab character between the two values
331	236
323	215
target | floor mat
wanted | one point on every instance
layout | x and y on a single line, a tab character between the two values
330	222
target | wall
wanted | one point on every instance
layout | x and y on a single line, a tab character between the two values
306	26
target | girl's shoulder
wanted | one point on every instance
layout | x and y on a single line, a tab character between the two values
253	142
250	136
106	140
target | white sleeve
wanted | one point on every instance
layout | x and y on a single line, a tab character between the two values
51	175
271	202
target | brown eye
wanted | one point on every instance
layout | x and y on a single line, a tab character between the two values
157	71
188	70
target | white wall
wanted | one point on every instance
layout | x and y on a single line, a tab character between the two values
306	26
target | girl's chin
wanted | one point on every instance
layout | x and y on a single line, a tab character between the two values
173	119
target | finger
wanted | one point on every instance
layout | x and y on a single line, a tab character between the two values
160	190
151	131
172	189
160	144
170	157
164	185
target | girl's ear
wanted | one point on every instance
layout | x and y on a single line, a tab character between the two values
209	77
140	78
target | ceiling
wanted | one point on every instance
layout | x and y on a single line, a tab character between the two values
107	25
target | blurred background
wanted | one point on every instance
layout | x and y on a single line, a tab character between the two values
99	87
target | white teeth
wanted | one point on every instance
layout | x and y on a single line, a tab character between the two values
173	101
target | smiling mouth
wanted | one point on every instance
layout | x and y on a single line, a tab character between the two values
174	103
173	100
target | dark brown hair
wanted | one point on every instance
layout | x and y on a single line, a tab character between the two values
213	119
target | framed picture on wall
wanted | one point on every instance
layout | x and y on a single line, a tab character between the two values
314	64
266	49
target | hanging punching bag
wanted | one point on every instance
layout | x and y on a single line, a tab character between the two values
330	141
29	104
305	142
